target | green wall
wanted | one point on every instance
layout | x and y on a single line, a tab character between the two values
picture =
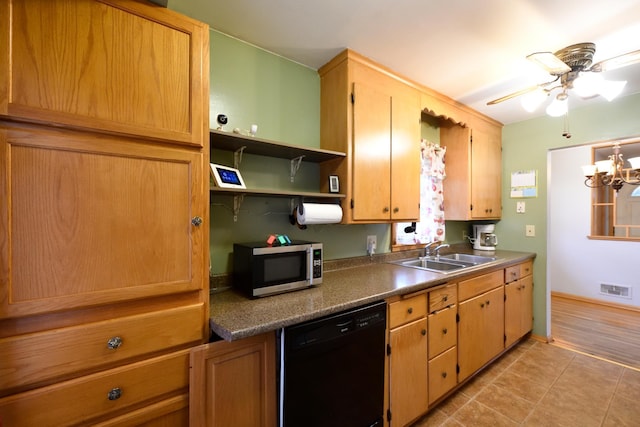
253	86
524	147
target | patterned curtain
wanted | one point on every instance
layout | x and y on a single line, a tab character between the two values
431	225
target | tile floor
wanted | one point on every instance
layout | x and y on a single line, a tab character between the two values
538	384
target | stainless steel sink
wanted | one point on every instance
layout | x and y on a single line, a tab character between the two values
446	263
474	259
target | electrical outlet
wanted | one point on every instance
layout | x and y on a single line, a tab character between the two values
371	244
520	207
530	230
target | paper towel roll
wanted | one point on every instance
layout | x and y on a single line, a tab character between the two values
318	213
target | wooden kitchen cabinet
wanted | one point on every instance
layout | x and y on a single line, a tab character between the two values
518	305
115	66
374	118
443	339
481	325
474	170
408	367
103	211
234	383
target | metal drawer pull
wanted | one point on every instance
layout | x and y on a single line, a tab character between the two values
410	310
444	331
197	221
423	332
115	393
444	375
445	298
114	343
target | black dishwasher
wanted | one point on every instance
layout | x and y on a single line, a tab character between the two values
332	370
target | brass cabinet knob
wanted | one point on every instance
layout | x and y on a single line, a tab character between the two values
396	210
444	331
444	375
410	310
386	209
114	343
115	393
196	221
423	332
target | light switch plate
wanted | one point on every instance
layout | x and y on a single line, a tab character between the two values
520	207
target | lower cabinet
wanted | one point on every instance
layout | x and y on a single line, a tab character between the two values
408	368
518	304
234	383
481	330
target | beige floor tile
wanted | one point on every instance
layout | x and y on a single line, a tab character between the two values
576	406
435	418
622	413
453	403
541	418
475	414
629	385
503	401
521	387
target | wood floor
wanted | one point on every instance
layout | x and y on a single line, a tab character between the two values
608	332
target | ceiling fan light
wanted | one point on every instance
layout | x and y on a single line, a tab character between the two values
531	101
611	89
588	84
558	107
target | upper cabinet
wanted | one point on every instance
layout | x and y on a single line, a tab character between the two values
373	115
374	118
473	165
113	65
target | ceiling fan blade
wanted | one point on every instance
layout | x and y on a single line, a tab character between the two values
513	95
549	62
617	62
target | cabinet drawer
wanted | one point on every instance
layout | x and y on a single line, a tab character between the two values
442	374
111	393
39	357
478	285
519	271
442	331
405	311
443	297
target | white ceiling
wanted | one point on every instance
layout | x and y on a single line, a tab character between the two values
470	50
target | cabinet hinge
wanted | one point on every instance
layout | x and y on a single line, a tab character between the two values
351	204
388	349
471	207
457	368
457	318
388	414
353	98
505	338
505	297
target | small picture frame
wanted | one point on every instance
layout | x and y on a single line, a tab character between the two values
334	184
226	177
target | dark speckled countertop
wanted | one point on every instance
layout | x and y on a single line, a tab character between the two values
234	316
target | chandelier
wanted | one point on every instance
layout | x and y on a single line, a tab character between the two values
611	172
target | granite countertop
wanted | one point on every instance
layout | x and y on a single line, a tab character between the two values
234	316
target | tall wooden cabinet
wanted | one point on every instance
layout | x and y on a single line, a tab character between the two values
103	211
374	118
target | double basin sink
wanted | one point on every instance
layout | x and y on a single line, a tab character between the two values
446	263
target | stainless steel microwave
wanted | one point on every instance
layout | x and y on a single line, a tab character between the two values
260	269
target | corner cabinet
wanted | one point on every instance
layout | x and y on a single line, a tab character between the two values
103	229
474	170
374	117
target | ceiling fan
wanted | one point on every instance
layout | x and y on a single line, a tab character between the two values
573	69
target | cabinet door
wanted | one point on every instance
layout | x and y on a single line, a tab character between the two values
408	370
371	154
93	220
233	383
405	158
518	309
486	173
112	65
480	331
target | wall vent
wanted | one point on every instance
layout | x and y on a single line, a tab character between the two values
622	291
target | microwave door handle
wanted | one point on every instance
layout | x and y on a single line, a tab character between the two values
310	265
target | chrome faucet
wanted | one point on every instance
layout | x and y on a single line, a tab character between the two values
427	248
437	249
